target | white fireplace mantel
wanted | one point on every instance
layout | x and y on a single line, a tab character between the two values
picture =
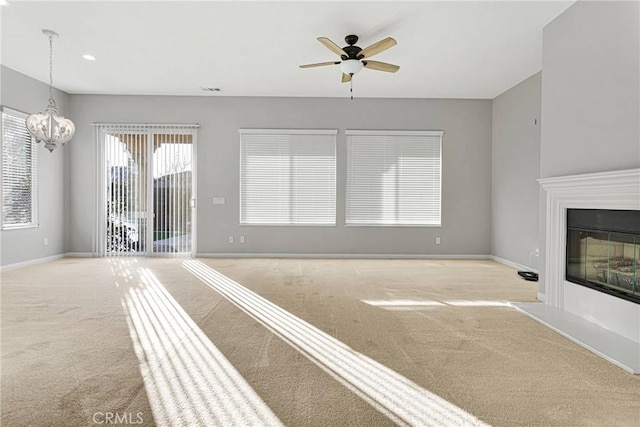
604	190
602	323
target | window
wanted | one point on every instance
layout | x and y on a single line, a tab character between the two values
393	178
19	172
288	177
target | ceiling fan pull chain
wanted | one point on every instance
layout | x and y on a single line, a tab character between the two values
351	88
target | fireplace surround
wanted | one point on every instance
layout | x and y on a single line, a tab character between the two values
603	323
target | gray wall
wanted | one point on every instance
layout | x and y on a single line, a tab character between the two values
590	89
466	200
25	94
515	154
590	92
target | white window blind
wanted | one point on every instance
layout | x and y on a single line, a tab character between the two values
393	177
288	177
19	172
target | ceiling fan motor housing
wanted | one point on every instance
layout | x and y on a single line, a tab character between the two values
351	39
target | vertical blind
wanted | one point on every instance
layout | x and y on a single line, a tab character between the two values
145	189
288	177
393	177
173	182
19	172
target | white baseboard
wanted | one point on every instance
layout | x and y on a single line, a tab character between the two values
23	264
340	256
512	264
268	255
79	255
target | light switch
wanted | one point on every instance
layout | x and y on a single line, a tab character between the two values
219	201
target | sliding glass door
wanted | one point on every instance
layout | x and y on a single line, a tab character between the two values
145	190
172	193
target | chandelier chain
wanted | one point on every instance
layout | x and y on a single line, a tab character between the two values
51	66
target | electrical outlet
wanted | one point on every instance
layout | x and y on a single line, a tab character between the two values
437	240
241	239
46	242
230	239
537	252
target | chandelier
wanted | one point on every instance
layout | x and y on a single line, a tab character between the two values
50	127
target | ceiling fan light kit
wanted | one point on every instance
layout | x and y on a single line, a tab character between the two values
354	58
351	66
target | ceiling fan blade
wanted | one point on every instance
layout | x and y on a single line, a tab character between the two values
346	78
377	47
332	46
319	64
381	66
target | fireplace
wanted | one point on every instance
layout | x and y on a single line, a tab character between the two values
603	251
584	292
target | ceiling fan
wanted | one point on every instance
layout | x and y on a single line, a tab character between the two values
354	58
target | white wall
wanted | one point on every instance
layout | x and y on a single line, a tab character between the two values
515	163
466	169
25	94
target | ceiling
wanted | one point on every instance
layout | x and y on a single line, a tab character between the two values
446	49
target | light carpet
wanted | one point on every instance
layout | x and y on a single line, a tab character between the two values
147	339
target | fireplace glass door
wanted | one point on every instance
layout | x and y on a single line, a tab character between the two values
604	260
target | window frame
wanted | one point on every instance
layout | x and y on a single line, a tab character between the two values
287	132
382	133
34	222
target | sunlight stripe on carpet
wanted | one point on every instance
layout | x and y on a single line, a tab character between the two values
403	401
188	380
